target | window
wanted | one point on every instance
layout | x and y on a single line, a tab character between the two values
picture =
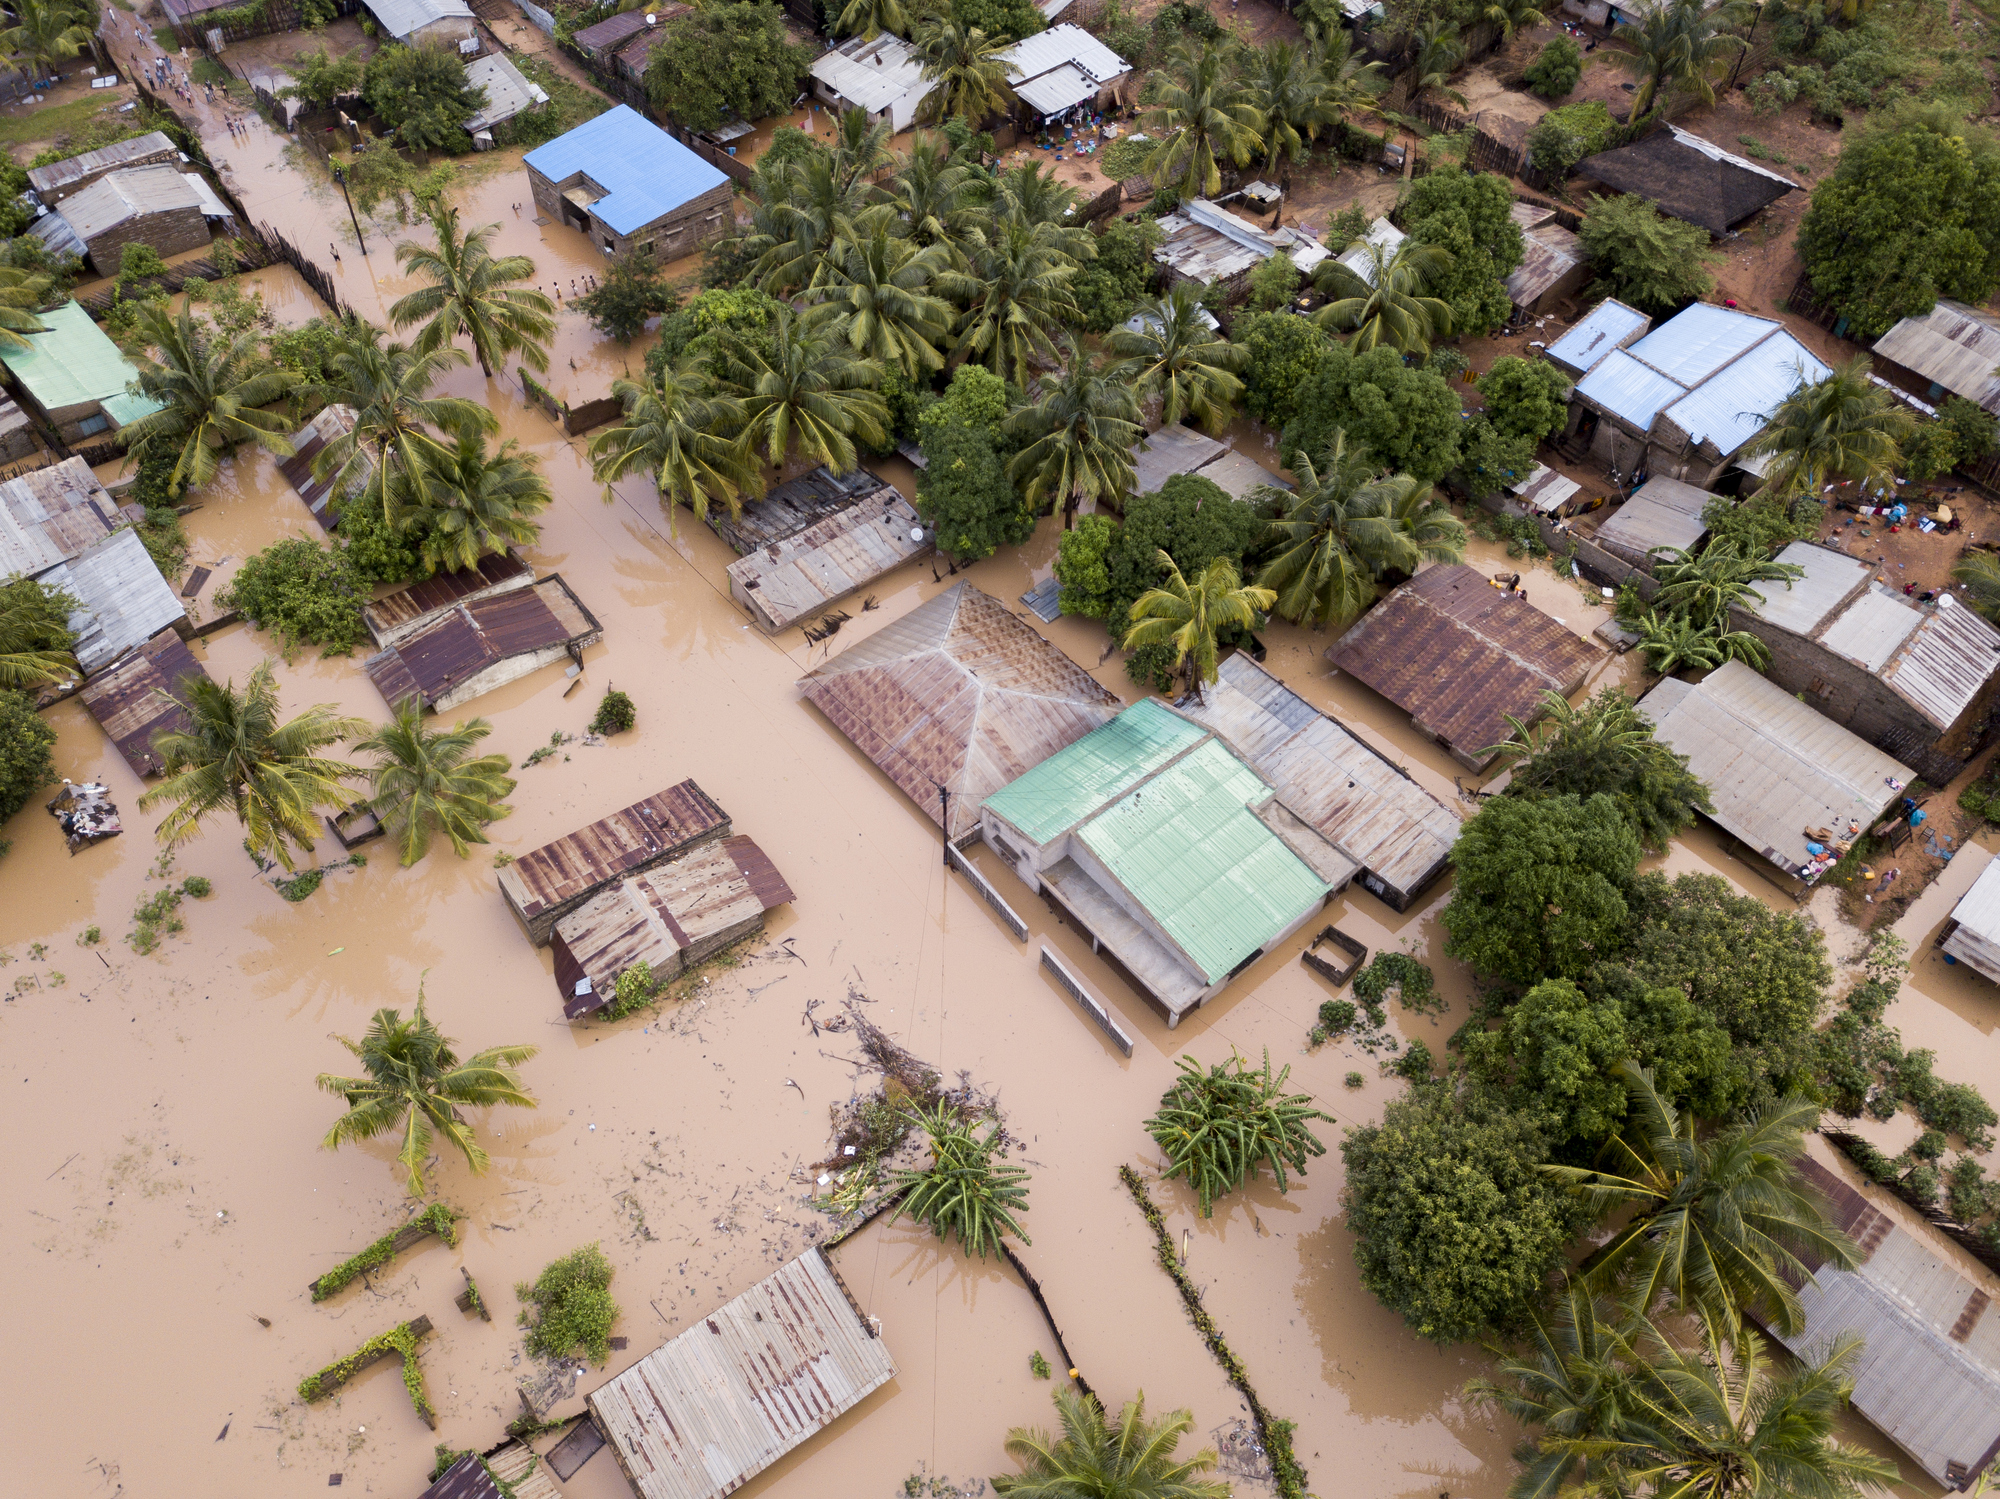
90	426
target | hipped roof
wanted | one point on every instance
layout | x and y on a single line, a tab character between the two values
1689	178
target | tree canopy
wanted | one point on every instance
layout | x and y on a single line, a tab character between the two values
1407	417
1471	215
1656	263
724	59
964	492
1525	398
422	92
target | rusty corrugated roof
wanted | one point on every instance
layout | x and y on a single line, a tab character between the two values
960	692
308	443
463	640
395	614
465	1479
1458	655
562	874
132	701
49	515
699	1417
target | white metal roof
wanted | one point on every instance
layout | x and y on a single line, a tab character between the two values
1701	339
1952	345
1382	234
124	601
1056	90
1629	390
1830	580
1607	326
1977	938
1733	407
1045	51
1945	661
507	92
401	17
1544	489
1868	630
130	193
212	205
1715	153
875	75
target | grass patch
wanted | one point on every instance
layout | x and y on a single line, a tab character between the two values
50	122
168	42
570	104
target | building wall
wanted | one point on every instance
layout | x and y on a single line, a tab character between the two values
446	31
55	195
685	229
169	232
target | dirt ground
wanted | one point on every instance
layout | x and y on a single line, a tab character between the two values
341	38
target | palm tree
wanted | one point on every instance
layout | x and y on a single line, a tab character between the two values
1179	359
870	18
1020	278
874	293
211	389
1291	93
1386	302
1440	49
1189	618
1514	15
1352	86
1335	537
1719	1222
414	1083
1202	113
1723	577
803	392
481	502
1677	642
967	66
44	33
428	781
35	636
1078	436
1980	573
234	753
969	1191
1422	514
1843	427
473	292
930	197
803	209
21	293
861	146
1681	43
1093	1460
674	428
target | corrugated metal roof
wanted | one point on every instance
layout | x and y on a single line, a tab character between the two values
1544	489
125	602
401	17
1549	252
697	1418
1629	390
1238	476
1607	326
1204	241
1952	345
309	441
1831	579
1370	810
74	363
395	615
507	92
1381	233
1734	406
1975	940
1868	630
796	577
134	700
645	173
1048	50
1699	340
1158	456
608	33
119	197
875	74
792	506
212	205
48	515
1773	766
1459	655
55	232
1068	786
1058	89
960	693
142	150
1187	847
465	1479
1940	668
526	1475
469	637
1664	513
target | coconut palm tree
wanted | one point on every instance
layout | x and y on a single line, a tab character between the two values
1189	617
1980	573
1181	360
1387	301
1680	44
676	429
1424	516
1202	113
1077	436
473	292
1334	537
21	292
1291	94
1722	577
211	389
968	68
481	502
1843	427
803	392
428	781
35	637
1352	86
1020	300
1719	1222
1514	15
861	146
1440	50
930	196
45	33
803	209
870	18
234	754
875	294
1091	1459
413	1083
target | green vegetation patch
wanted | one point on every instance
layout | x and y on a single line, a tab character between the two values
569	1306
437	1218
402	1340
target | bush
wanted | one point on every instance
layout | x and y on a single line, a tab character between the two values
1771	93
421	93
1525	399
26	761
303	593
569	1307
1556	69
1564	136
1106	289
377	551
1975	432
1273	283
197	886
1217	1126
1415	1065
615	714
631	292
1656	263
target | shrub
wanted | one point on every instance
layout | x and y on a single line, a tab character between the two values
1106	289
615	714
26	761
1273	283
1336	1015
303	593
1354	1080
1564	136
968	1191
1975	431
631	291
1218	1125
423	95
1415	1064
1656	263
377	551
569	1307
1556	69
197	886
635	987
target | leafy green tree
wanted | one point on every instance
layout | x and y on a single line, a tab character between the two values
320	78
1077	436
631	293
1553	1056
1761	525
1911	213
1218	1126
1407	417
1542	886
27	762
1202	113
1470	216
304	593
1975	431
1606	746
569	1306
1525	398
710	320
1682	45
1116	281
1189	616
681	434
1008	19
211	391
1285	352
1455	1227
1980	573
1843	427
1556	70
969	1191
1388	303
423	95
1645	258
724	59
967	67
481	502
376	551
1570	132
1489	460
427	781
235	754
413	1083
35	637
803	393
475	293
1084	559
1274	283
1093	1460
1179	360
964	493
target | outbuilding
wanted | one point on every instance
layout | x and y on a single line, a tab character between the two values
63	179
507	94
1972	935
1553	265
414	23
1664	514
816	540
1952	350
1689	178
1203	242
630	187
74	377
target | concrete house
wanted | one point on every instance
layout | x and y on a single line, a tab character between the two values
162	206
63	179
73	377
630	187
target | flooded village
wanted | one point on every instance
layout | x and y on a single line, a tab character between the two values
927	1002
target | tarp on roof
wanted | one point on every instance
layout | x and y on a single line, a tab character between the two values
1067	787
1607	326
1952	345
645	173
74	363
1689	178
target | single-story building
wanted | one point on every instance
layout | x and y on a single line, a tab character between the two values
1689	396
1203	242
1051	72
839	550
444	23
1585	344
1397	834
161	207
1689	178
1952	350
395	616
1171	852
470	648
512	1464
669	917
1159	456
1383	236
1460	656
507	95
624	43
958	694
73	377
1553	265
1774	767
700	1416
308	442
1972	936
135	699
878	75
1665	513
17	433
545	885
1917	682
630	187
62	179
1544	491
1061	68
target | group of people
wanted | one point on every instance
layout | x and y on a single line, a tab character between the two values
589	286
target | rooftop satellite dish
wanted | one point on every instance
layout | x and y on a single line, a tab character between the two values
652	19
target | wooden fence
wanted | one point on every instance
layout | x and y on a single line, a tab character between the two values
272	16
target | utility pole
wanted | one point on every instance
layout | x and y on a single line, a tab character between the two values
340	176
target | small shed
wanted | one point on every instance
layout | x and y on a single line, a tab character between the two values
74	377
406	611
1664	513
1951	350
414	22
1973	934
669	917
958	694
1060	67
507	95
547	884
61	179
1545	491
135	699
1158	456
1773	766
308	442
155	206
1585	344
473	647
1553	265
787	581
1689	178
1460	656
700	1416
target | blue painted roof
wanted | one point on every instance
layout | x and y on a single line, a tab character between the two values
1698	341
645	173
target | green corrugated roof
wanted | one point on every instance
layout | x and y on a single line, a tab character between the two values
1190	851
1069	786
75	362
